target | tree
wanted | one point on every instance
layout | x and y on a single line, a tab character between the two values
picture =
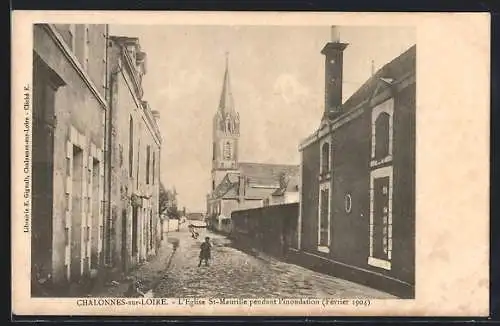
163	199
168	202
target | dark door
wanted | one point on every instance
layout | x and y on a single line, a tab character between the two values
323	235
380	218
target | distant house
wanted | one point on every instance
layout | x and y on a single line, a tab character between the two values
287	193
357	207
236	185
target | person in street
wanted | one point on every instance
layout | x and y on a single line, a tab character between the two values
205	251
194	234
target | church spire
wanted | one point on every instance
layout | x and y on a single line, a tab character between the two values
226	103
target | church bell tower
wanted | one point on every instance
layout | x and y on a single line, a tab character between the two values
226	133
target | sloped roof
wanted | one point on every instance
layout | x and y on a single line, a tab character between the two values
395	69
291	186
261	180
266	174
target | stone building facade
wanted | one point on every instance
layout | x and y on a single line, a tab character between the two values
69	107
357	196
133	154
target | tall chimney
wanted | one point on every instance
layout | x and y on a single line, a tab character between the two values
333	52
156	115
335	34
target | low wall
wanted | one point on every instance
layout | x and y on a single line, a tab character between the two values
270	229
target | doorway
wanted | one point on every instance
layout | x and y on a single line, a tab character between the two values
76	215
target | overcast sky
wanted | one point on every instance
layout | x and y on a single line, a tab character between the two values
277	79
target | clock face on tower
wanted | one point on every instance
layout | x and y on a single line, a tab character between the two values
227	151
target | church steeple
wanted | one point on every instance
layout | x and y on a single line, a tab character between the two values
226	133
226	103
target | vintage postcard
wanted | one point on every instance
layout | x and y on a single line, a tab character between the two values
301	164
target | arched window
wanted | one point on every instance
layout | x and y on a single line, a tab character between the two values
325	158
382	138
229	126
227	150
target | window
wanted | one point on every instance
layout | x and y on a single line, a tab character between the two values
382	136
381	218
154	167
382	133
325	158
324	219
120	148
148	152
213	151
227	150
348	203
138	164
213	185
131	147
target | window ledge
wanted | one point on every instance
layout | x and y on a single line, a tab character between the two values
324	249
324	176
387	159
380	263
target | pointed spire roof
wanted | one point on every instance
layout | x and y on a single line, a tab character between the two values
226	103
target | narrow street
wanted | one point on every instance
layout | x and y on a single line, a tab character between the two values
233	273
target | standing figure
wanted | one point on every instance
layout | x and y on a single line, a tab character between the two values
205	249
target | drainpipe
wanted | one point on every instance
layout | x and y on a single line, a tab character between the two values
107	98
109	133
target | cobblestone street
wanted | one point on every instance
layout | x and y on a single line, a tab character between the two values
232	273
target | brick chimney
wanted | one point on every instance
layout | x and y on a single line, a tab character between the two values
156	115
333	52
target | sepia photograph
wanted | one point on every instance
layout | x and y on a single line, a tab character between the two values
209	165
326	211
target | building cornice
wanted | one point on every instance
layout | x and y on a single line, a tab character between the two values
132	72
56	36
139	106
371	102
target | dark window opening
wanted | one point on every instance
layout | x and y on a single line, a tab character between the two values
148	153
382	130
323	235
131	148
154	167
325	160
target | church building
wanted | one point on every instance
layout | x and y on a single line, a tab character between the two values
237	185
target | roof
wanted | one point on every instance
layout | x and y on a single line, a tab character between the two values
396	69
261	179
291	186
266	174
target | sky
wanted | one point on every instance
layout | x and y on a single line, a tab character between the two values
277	81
